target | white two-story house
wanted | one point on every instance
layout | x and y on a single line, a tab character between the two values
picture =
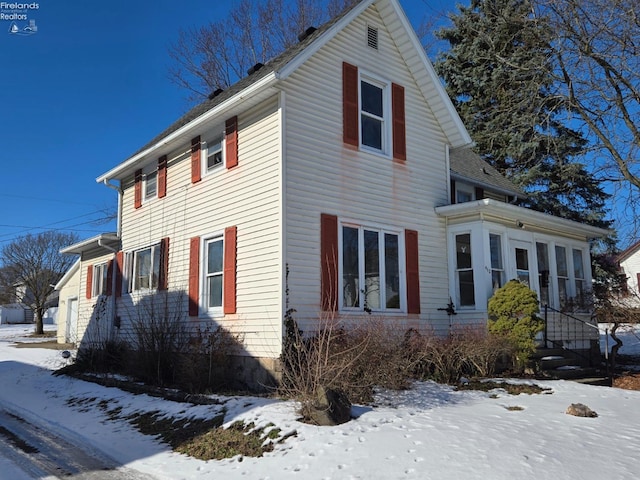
335	179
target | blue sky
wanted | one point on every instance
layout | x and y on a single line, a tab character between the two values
83	93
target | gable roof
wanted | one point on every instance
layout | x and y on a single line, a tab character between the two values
467	165
257	85
628	252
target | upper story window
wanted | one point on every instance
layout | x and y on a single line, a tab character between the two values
373	132
370	279
99	285
373	113
464	193
213	153
150	183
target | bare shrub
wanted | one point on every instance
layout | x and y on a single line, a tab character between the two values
320	360
465	352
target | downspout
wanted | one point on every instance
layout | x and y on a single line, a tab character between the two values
119	213
115	252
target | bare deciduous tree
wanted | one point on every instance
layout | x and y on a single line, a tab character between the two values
219	53
597	48
35	262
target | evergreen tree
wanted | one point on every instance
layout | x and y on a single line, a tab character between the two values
498	74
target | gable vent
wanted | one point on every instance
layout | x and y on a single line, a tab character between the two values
372	37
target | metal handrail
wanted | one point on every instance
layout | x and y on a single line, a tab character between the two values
584	323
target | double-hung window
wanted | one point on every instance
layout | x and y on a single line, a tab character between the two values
373	130
542	253
150	184
145	269
213	155
99	285
371	279
497	268
213	273
464	271
563	274
578	273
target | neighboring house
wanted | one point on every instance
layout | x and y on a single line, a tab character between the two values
335	180
629	266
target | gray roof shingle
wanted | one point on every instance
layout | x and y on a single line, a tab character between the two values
467	165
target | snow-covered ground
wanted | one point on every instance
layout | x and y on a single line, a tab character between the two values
429	432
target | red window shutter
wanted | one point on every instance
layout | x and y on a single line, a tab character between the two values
194	276
196	169
118	273
89	281
164	264
109	277
231	142
638	280
329	261
162	176
399	130
413	271
350	128
137	189
229	288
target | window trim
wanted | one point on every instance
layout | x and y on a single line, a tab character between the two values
150	171
99	279
206	147
382	230
471	269
203	307
130	277
387	125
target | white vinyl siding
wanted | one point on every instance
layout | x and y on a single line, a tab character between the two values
248	197
323	176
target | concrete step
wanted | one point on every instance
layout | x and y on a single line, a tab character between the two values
572	372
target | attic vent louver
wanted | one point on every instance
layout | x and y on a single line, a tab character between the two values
255	68
306	33
215	93
372	37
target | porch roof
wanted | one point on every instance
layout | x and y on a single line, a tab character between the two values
108	241
518	217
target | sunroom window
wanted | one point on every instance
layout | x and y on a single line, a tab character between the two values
464	271
563	274
578	273
497	269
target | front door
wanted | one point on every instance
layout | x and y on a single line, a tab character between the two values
521	257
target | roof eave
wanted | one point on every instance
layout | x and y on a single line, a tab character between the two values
119	171
488	209
90	243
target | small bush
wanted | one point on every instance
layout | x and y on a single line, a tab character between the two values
512	315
